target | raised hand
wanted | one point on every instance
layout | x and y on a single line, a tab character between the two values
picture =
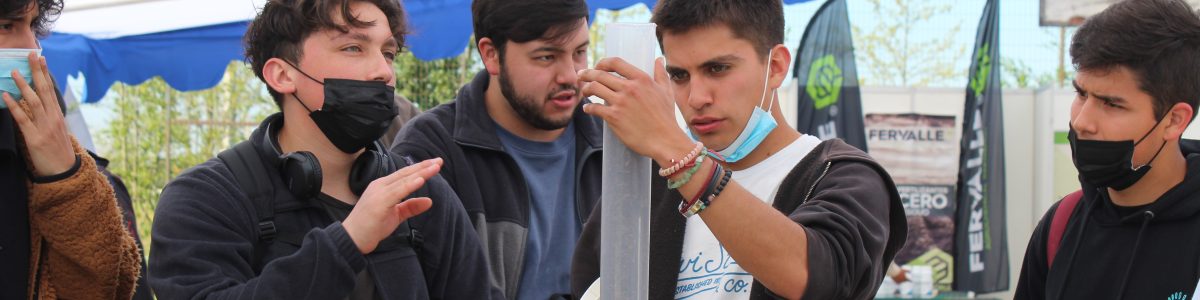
40	119
383	207
639	108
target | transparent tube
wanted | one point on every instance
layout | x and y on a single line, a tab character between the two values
625	197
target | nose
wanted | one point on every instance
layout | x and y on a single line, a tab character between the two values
382	71
24	39
1083	118
698	94
567	73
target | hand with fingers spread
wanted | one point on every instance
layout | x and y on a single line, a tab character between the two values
40	120
383	207
640	109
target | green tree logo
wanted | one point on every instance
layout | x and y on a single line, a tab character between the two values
824	82
979	81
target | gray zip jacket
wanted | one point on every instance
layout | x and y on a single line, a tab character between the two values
488	180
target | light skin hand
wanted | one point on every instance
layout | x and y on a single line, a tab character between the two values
41	122
382	206
640	109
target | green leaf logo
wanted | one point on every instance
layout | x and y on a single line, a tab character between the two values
980	80
824	82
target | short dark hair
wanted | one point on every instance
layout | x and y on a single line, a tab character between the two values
48	11
283	25
1157	40
521	21
757	21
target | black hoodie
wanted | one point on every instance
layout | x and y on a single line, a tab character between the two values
1109	252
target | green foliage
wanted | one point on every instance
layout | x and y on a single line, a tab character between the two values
1018	74
429	83
159	132
894	55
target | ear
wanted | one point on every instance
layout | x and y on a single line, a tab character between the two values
490	56
781	60
279	76
1178	118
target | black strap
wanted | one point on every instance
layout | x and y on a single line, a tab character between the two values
414	238
250	172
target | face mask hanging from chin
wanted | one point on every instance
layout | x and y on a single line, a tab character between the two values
757	128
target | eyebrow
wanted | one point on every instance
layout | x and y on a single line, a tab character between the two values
719	60
1106	98
551	49
675	69
361	37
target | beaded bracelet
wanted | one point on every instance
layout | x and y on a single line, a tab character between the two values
690	164
686	204
720	187
708	195
687	175
683	163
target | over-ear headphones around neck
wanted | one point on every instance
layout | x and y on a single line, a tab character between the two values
301	171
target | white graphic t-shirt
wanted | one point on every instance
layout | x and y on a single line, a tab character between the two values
706	271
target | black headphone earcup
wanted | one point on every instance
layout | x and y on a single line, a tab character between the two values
369	166
302	174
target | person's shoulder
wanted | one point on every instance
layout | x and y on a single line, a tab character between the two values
441	113
436	121
839	149
209	183
827	152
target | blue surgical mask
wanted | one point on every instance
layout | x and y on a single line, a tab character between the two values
10	59
757	128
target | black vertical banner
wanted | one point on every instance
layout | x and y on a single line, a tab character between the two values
981	245
830	105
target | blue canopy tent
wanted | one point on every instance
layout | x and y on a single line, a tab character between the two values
194	57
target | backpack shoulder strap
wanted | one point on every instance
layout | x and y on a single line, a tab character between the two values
1058	224
250	171
413	236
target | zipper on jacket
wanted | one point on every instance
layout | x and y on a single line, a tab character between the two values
580	163
814	186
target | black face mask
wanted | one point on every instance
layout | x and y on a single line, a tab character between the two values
355	114
1109	163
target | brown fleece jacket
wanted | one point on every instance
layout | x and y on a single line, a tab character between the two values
79	245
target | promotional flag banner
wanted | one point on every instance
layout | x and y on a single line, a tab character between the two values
830	104
981	246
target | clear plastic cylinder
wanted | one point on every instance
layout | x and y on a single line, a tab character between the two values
625	196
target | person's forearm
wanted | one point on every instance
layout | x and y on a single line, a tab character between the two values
773	248
86	239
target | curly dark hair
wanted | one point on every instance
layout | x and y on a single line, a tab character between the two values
48	11
1157	40
283	25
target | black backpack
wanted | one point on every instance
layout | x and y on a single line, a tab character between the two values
250	171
